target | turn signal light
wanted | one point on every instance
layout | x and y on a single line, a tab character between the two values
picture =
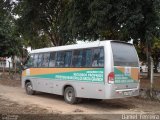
111	77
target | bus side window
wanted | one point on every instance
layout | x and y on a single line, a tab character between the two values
86	58
77	58
67	58
52	60
98	57
45	60
101	58
40	60
35	60
60	59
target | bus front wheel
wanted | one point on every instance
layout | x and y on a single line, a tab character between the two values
29	88
69	95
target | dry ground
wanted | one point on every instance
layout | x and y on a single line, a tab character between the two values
14	100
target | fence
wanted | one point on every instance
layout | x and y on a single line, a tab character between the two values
10	69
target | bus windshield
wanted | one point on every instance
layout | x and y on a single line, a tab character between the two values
28	61
124	54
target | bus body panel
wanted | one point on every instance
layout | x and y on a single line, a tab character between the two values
120	93
87	82
83	89
57	78
126	81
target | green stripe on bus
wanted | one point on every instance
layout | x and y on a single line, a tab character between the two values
95	75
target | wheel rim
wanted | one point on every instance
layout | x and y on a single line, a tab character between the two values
29	88
69	95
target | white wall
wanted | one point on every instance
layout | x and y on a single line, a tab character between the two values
9	61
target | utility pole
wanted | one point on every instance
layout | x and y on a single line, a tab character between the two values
148	44
150	62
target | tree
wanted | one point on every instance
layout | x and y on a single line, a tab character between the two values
64	21
114	19
138	20
41	18
156	53
67	20
9	42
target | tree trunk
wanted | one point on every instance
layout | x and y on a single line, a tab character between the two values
149	66
56	39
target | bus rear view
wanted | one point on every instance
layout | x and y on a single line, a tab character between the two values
123	80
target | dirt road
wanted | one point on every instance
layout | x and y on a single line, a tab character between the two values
56	104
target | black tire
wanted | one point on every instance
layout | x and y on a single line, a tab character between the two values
29	88
70	96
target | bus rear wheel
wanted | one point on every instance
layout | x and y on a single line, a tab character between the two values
29	88
69	96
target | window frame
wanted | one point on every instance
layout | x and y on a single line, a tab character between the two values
72	50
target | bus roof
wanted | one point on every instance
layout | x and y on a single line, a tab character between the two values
74	46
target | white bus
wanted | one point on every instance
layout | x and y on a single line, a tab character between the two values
98	70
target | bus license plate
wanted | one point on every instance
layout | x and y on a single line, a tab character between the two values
127	93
